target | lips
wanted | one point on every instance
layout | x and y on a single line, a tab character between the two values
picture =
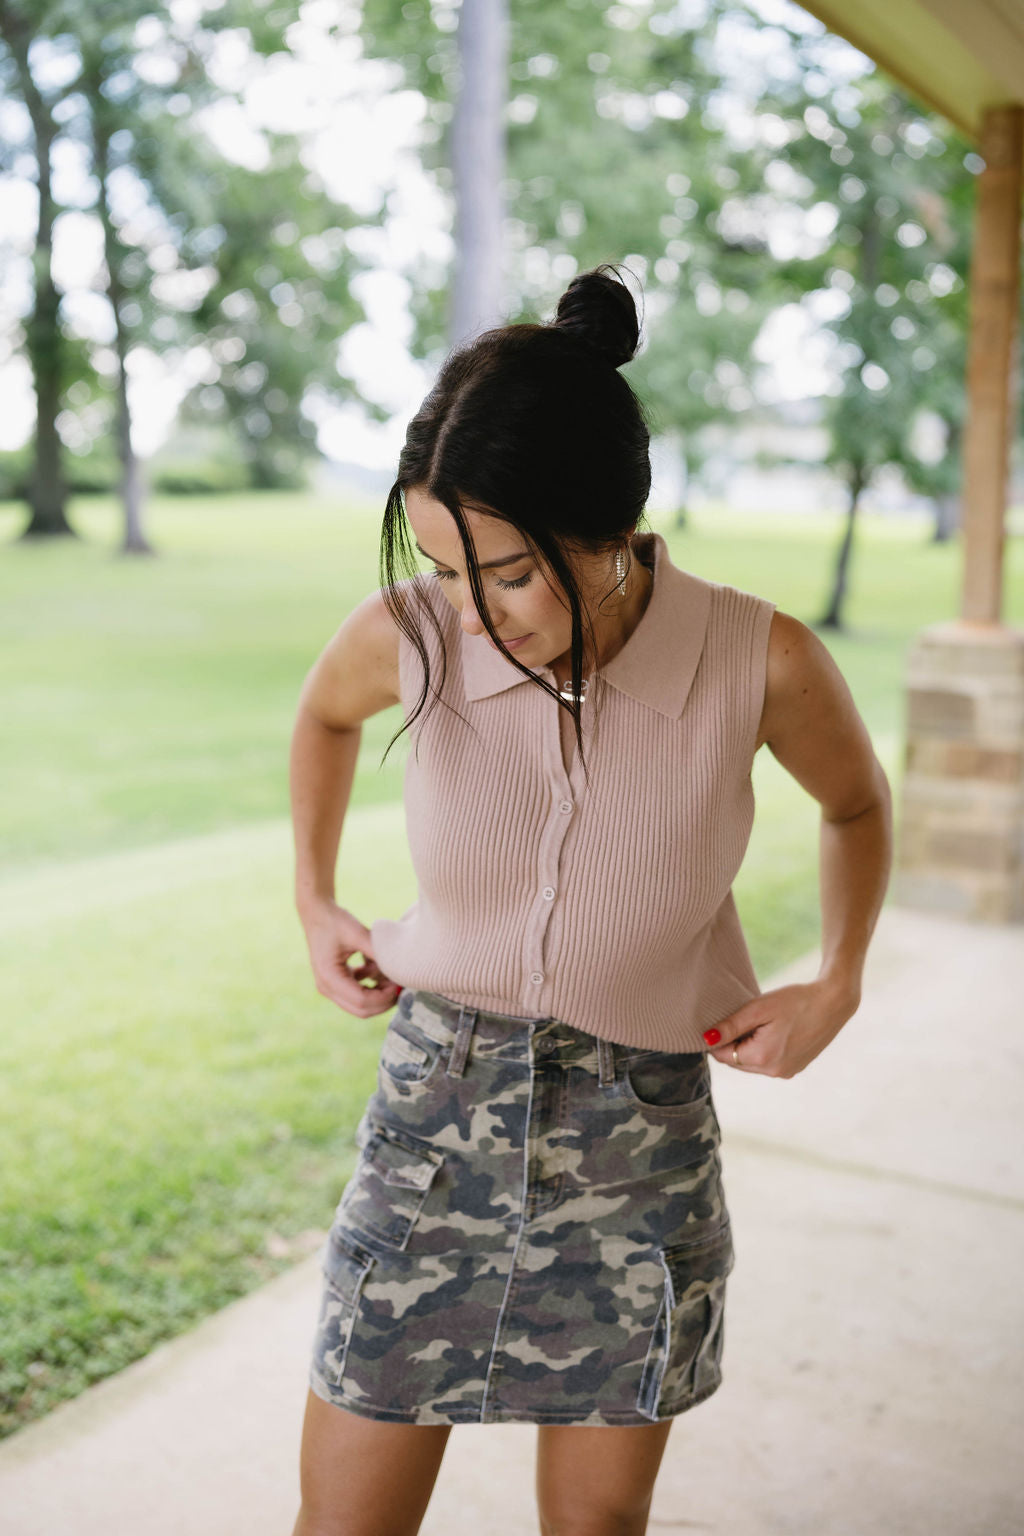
517	641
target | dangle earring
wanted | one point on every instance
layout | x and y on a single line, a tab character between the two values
566	691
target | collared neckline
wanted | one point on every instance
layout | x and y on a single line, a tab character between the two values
657	664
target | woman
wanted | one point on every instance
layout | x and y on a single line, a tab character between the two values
536	1230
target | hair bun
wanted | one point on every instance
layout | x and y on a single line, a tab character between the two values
600	311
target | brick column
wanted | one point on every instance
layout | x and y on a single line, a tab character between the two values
961	836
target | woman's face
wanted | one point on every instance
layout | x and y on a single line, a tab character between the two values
522	605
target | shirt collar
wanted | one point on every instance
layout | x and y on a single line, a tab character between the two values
656	666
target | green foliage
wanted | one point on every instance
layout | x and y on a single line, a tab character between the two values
612	153
95	473
90	474
15	469
278	302
620	146
251	265
642	170
198	477
893	269
208	460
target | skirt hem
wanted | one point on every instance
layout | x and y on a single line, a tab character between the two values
499	1415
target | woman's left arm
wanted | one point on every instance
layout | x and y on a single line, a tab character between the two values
812	726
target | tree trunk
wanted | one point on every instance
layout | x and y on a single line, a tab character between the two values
478	163
947	517
682	517
947	504
44	346
833	617
44	343
134	541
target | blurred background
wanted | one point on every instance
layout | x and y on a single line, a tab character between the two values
237	241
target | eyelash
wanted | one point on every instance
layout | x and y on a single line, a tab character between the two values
506	586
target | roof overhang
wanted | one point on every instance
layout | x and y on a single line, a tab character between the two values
958	56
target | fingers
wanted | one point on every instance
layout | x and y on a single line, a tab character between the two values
336	938
742	1052
361	989
737	1054
363	1002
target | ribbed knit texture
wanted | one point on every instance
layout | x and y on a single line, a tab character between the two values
609	907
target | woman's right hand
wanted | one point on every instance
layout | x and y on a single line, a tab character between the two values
334	936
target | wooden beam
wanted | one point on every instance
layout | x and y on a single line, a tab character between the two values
991	362
958	56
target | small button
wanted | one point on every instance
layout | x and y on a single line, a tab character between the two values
546	1044
536	977
565	807
548	893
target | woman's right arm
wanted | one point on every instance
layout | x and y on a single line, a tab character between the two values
355	676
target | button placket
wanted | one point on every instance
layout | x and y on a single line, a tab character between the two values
559	822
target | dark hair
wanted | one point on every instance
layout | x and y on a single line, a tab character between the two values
532	425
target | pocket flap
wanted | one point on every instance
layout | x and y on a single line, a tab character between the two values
694	1268
405	1166
345	1265
397	1048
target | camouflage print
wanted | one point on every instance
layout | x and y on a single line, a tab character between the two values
535	1230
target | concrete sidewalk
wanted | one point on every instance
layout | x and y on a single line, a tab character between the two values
875	1315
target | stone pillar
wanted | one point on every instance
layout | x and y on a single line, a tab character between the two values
961	835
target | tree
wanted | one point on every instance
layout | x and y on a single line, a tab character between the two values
43	337
612	153
885	187
478	165
184	233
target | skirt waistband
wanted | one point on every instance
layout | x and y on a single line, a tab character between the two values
479	1031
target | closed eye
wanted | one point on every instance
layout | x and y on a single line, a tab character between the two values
506	586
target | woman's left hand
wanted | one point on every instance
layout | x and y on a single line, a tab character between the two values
781	1032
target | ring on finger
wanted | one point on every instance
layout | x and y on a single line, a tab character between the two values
735	1057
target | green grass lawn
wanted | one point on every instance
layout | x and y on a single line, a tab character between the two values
177	1102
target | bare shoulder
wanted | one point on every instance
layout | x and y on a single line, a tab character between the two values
356	674
811	723
788	641
795	656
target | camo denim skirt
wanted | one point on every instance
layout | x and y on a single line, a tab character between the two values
535	1231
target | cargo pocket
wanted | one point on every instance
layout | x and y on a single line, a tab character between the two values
667	1083
409	1057
683	1363
386	1192
344	1268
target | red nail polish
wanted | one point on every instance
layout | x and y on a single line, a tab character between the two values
712	1036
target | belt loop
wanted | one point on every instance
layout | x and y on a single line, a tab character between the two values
463	1035
605	1062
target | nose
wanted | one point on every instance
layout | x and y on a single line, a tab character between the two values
470	619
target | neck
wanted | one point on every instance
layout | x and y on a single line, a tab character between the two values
612	630
631	611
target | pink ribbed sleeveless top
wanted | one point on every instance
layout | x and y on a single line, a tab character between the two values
609	906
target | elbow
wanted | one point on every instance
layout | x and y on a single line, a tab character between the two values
875	797
881	789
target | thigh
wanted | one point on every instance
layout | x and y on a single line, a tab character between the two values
596	1479
365	1477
